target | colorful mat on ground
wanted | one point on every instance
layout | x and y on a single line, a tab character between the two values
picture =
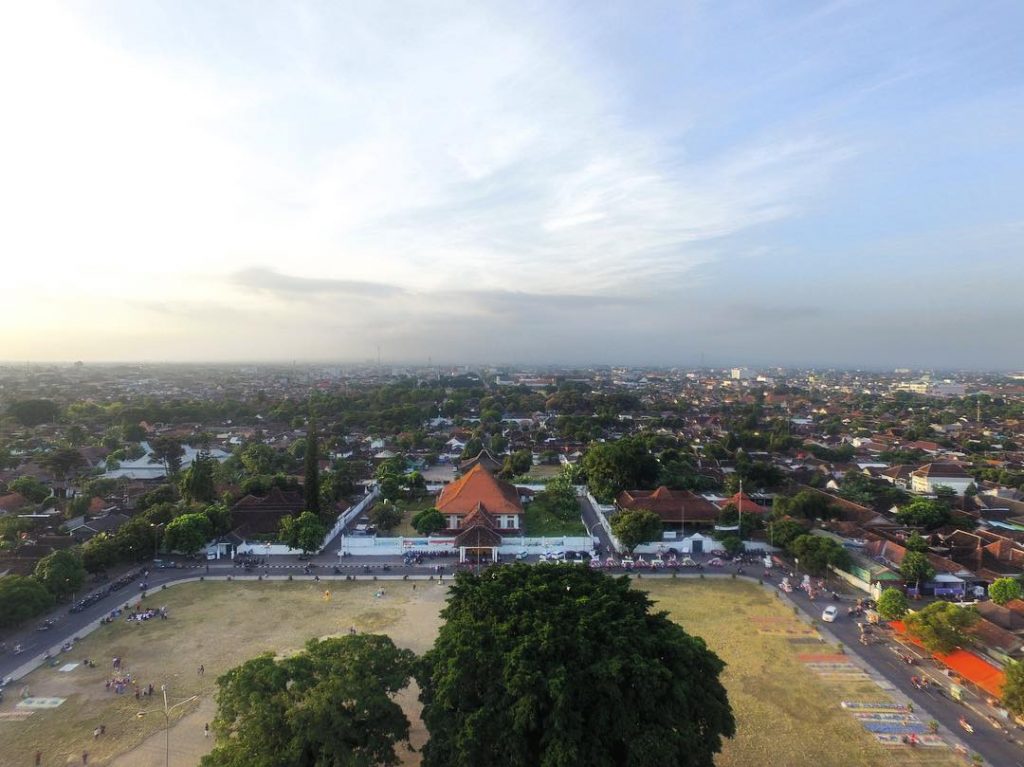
41	702
16	715
856	705
927	740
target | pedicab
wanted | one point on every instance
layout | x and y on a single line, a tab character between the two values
642	564
657	563
627	563
687	562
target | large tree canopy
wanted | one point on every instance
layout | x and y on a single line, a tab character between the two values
941	626
21	598
61	572
330	706
635	526
538	666
612	467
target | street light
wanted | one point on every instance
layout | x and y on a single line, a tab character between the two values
166	711
156	537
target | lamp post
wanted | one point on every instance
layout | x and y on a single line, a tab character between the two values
156	536
166	711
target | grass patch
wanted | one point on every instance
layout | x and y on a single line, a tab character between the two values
409	508
540	522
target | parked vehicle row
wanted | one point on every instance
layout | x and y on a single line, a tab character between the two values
113	586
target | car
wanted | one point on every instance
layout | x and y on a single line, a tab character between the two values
829	614
522	554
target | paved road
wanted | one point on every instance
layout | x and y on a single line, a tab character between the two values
590	519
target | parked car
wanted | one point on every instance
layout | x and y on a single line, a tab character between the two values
829	614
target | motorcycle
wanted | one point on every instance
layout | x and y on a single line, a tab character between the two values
966	726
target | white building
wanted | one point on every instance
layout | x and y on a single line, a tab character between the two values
933	475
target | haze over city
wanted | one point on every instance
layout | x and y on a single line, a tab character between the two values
656	183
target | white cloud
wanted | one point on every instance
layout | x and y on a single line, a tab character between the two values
429	151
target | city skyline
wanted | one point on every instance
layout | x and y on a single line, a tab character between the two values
835	186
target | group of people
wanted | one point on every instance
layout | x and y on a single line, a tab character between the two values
145	615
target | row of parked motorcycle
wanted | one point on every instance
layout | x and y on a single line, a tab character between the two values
96	596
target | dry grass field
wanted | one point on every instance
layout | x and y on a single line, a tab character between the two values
786	715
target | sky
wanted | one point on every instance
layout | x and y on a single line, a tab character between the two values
786	183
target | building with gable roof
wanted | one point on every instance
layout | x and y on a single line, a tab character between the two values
480	497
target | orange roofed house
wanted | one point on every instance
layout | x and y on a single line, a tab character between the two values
478	497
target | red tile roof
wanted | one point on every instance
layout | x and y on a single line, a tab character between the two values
478	487
671	505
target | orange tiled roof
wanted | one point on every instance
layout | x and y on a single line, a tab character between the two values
479	487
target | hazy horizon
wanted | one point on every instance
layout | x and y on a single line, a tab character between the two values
805	185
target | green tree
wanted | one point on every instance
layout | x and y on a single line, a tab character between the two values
386	516
783	532
100	552
31	488
196	483
257	459
220	518
923	512
636	526
574	649
941	626
62	462
169	452
892	604
915	568
612	467
390	487
188	533
916	542
807	504
33	412
1002	590
1013	687
818	552
305	532
429	521
332	705
21	598
520	462
311	482
732	544
61	572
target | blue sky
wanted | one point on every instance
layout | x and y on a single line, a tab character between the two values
749	183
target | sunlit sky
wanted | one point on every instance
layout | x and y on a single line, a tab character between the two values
640	182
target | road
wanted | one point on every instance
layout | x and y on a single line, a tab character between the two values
594	526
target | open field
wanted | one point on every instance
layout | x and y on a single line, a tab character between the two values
786	714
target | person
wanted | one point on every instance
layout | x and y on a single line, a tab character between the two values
206	730
85	757
39	758
202	670
95	732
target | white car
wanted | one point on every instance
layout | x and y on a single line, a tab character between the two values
829	614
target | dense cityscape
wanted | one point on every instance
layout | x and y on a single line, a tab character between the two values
873	487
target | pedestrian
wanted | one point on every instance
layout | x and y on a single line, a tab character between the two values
85	757
39	758
202	670
206	730
95	733
103	729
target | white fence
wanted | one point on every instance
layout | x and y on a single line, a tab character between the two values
602	511
372	545
349	515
